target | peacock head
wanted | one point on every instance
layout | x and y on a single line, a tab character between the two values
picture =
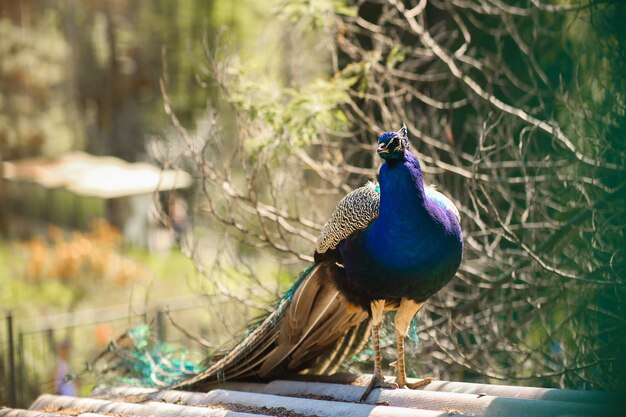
391	145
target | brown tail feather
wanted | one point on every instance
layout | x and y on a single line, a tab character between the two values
353	342
315	321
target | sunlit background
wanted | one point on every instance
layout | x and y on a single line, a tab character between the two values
84	255
134	136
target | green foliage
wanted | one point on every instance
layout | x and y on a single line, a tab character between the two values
287	117
171	267
596	103
592	110
21	296
398	54
317	15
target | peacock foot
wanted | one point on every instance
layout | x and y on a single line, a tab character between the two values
376	382
418	384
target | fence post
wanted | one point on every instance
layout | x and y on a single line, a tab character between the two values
160	324
52	344
21	377
12	392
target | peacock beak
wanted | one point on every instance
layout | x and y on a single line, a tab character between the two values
383	148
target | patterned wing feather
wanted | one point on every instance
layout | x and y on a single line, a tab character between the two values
355	211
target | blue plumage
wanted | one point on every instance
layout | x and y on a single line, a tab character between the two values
411	250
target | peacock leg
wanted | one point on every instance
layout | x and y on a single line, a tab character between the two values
378	380
404	315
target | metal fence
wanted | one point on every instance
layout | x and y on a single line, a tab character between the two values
28	347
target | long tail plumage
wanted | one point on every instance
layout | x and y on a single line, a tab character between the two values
313	328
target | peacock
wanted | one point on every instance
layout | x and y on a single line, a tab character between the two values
386	246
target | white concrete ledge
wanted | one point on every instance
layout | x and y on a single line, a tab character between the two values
330	399
512	391
301	406
156	409
470	404
13	412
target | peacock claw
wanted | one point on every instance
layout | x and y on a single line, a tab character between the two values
376	382
419	384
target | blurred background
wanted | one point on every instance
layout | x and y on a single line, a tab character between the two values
171	163
83	251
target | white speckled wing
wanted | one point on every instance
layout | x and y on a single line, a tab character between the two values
442	200
355	211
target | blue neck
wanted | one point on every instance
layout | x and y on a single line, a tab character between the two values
396	237
401	191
